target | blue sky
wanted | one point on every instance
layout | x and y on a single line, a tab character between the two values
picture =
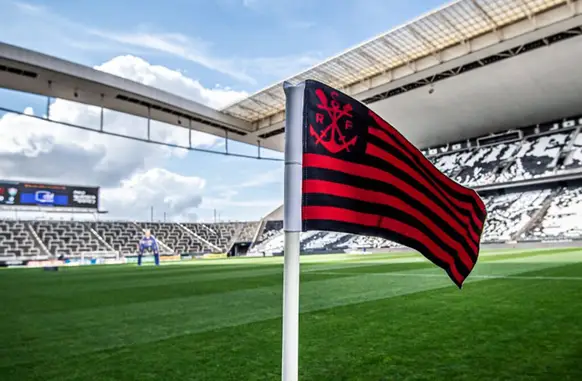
211	51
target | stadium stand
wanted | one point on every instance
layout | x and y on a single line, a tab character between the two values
485	164
248	231
172	237
69	238
508	214
16	240
574	159
563	218
548	212
271	229
120	236
535	158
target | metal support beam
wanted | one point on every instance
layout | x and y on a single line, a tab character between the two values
48	102
489	19
226	141
149	121
524	7
48	108
90	129
101	115
398	53
328	76
249	109
373	61
427	43
463	37
347	67
572	5
258	149
190	133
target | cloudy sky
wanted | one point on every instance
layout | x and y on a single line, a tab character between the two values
211	51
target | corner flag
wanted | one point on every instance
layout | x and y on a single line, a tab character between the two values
348	170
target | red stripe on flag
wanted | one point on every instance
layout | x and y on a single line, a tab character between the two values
371	220
373	197
433	170
391	159
353	169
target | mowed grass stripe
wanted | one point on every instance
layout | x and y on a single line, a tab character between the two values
92	329
490	330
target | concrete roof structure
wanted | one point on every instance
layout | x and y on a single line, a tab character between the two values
468	68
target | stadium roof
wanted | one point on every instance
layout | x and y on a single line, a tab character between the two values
493	64
453	24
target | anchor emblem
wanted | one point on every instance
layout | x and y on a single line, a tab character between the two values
332	137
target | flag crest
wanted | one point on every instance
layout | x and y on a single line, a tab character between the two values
361	176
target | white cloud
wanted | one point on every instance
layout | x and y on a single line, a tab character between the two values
28	8
176	195
173	81
178	45
129	171
196	51
47	23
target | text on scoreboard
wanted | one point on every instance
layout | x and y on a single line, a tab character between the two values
50	195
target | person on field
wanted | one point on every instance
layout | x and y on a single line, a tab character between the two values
149	243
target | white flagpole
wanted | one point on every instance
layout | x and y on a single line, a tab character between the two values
292	227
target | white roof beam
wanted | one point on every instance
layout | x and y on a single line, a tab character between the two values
488	18
427	44
398	53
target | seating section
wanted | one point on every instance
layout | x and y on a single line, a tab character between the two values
538	215
121	236
224	234
365	242
450	163
509	213
219	234
324	241
69	238
16	240
535	158
486	164
575	159
248	231
563	219
272	228
173	236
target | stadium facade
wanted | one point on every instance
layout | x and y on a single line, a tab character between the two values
490	90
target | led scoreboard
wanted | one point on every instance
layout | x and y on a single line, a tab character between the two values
13	193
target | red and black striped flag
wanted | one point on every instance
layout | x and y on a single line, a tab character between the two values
361	176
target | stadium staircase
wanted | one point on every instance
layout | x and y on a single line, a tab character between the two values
163	247
570	151
37	241
234	238
258	232
100	239
537	216
200	239
211	232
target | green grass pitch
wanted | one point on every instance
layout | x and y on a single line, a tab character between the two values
372	317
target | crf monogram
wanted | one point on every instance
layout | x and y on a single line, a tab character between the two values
332	137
